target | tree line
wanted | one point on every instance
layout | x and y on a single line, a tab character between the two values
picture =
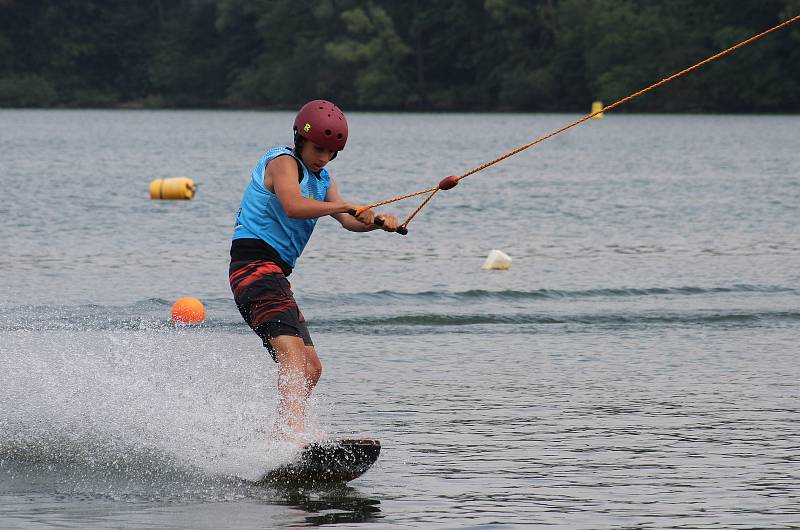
527	55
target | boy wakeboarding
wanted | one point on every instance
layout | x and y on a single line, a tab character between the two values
289	190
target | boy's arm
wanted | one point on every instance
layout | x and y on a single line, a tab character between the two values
281	177
364	223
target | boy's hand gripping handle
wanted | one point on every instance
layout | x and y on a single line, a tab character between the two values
402	230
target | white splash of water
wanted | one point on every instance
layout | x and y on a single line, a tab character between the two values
202	399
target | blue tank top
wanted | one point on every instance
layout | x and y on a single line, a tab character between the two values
261	215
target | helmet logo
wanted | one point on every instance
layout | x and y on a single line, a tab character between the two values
307	127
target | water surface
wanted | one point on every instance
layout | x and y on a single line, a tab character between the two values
636	367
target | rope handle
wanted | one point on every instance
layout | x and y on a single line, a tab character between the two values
402	230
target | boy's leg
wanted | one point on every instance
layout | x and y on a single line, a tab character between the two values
264	298
299	370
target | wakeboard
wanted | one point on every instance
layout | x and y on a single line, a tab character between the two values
327	462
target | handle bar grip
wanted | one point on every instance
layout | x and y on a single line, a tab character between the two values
402	230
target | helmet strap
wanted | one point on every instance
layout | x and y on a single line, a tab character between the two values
298	142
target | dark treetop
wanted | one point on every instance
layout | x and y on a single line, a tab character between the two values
535	55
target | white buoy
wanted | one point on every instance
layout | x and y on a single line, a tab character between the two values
497	260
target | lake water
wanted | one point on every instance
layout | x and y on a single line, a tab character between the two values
637	367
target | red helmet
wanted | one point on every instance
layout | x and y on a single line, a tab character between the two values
323	123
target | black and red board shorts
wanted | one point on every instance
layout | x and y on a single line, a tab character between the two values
264	297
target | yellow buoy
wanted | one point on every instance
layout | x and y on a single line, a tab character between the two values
176	188
188	310
597	106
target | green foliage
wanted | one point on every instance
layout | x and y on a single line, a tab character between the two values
371	48
26	90
397	54
524	75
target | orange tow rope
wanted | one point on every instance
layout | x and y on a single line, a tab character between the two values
451	181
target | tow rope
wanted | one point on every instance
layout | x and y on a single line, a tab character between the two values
452	180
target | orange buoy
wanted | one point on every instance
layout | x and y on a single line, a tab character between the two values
188	310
